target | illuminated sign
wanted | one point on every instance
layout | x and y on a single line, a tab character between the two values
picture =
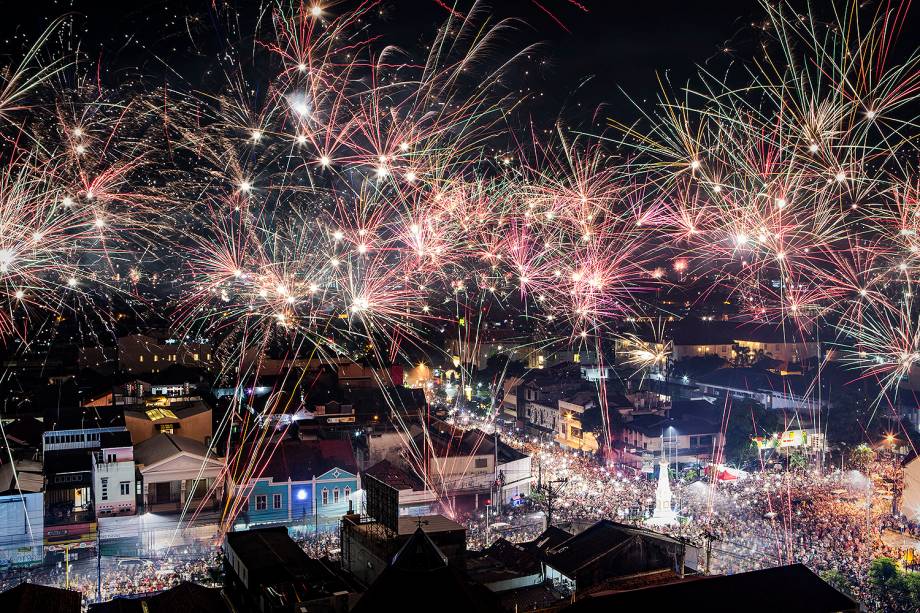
789	438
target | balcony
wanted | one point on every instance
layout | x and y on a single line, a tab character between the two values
64	513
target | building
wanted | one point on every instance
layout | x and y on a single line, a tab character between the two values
115	486
177	471
742	343
187	597
547	358
419	578
352	375
606	551
70	516
771	390
266	571
414	497
306	484
690	434
909	502
799	589
192	420
534	398
581	422
32	598
505	566
473	463
368	545
22	513
141	353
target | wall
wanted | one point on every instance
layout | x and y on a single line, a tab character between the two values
22	529
115	473
329	514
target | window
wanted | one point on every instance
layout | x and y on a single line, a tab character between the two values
142	358
110	457
195	356
261	503
347	492
482	463
335	495
276	501
325	496
105	488
125	488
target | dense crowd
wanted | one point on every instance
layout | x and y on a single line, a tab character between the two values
123	576
830	522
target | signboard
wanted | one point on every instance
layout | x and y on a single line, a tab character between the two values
382	502
789	438
74	535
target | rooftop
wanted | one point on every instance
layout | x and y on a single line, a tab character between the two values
586	546
429	524
392	475
799	589
303	460
31	598
163	446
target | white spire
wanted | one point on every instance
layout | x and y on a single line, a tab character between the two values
663	514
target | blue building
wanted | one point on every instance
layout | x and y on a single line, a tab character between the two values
306	485
333	491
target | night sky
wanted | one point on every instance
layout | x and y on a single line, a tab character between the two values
585	56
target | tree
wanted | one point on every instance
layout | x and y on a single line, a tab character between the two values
747	420
861	456
895	590
837	579
742	355
797	460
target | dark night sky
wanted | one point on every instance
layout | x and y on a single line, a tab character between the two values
621	44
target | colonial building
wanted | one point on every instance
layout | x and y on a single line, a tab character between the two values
307	485
177	471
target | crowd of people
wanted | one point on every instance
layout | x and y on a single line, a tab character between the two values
113	577
829	521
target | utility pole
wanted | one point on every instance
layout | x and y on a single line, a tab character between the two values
707	544
98	563
67	566
552	493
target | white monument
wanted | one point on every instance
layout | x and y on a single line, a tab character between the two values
664	514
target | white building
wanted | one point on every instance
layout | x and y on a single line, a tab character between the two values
114	482
469	462
175	471
909	504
